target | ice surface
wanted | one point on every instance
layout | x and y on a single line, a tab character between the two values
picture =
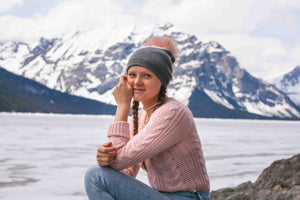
45	156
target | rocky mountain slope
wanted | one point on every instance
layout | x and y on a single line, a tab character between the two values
88	63
19	94
290	84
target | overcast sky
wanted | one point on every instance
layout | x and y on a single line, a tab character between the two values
264	35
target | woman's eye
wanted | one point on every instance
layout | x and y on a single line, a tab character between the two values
147	75
131	74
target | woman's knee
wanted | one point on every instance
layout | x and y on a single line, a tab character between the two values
92	173
96	172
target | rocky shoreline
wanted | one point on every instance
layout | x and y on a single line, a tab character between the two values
280	181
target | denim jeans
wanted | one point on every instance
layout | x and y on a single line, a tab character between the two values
106	183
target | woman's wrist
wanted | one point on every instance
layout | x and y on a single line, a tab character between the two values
122	112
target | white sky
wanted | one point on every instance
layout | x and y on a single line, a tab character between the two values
264	35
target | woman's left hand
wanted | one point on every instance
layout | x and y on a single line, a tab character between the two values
106	154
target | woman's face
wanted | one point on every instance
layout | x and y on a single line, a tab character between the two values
145	84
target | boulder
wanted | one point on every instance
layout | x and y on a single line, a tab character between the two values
280	181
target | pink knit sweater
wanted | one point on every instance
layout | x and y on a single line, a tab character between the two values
169	145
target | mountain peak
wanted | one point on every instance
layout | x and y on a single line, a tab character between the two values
290	84
90	62
166	26
291	78
297	69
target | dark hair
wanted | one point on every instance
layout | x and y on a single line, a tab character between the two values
135	110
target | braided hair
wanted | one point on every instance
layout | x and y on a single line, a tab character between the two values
135	111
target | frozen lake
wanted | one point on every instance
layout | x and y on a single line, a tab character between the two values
45	156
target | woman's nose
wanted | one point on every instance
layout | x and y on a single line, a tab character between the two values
138	81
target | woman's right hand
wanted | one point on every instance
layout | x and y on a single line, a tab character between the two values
123	92
106	154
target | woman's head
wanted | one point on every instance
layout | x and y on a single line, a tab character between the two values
157	55
150	67
157	60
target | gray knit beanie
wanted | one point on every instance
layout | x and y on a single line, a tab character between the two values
156	59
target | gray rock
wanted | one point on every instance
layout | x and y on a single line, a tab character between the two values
280	181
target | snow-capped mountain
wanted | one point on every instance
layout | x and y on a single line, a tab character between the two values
88	63
19	94
290	84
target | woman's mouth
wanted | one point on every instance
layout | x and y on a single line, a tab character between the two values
138	90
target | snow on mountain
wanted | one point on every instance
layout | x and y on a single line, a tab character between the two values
89	62
12	54
290	84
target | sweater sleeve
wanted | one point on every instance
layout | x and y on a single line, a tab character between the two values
166	127
131	171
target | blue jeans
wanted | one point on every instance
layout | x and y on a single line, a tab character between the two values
106	183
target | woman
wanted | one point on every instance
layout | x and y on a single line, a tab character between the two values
162	138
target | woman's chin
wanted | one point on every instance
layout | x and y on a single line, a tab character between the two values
136	99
